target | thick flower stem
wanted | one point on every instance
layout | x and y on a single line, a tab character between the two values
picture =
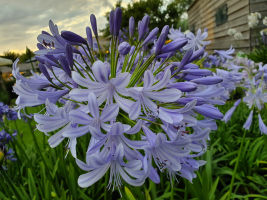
56	186
236	164
172	191
186	190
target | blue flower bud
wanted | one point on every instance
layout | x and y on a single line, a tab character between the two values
237	102
210	80
73	37
151	35
208	111
185	60
48	66
198	72
89	37
262	126
124	48
117	21
185	100
174	45
197	54
191	66
44	71
131	27
69	54
249	121
189	77
161	39
42	59
184	86
52	58
94	24
65	65
143	27
132	50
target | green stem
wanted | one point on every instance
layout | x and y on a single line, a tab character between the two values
31	63
10	184
172	191
56	186
99	49
19	133
106	185
186	190
236	164
59	80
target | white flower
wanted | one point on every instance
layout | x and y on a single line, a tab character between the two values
264	21
253	19
238	36
231	31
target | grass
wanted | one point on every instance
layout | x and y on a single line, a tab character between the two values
24	131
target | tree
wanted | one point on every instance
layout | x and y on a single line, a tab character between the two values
161	13
10	55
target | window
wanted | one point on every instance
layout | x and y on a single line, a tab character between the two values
221	15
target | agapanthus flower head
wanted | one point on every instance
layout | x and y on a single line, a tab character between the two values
175	33
225	54
196	42
106	98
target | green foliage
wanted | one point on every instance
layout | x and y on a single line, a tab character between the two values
30	175
259	54
22	57
161	13
10	55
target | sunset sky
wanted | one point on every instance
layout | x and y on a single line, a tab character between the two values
21	21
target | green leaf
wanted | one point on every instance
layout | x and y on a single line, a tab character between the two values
213	188
32	186
164	196
55	169
83	196
129	194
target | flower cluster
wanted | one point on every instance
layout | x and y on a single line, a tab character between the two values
10	113
136	105
253	19
6	154
233	32
253	80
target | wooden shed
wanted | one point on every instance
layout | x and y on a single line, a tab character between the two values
220	15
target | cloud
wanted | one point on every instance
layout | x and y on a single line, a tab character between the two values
22	21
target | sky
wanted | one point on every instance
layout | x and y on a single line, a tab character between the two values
21	21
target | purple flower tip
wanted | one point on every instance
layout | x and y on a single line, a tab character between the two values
94	24
124	48
73	37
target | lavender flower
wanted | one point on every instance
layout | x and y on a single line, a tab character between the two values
262	126
136	84
195	42
249	121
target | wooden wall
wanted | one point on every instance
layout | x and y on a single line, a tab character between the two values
202	15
